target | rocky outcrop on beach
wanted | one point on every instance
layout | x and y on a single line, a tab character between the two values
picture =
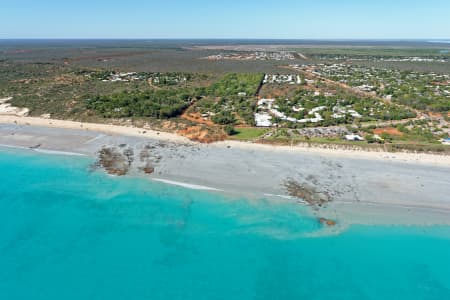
310	195
306	192
122	159
148	169
327	222
113	161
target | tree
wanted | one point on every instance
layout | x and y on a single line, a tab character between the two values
229	129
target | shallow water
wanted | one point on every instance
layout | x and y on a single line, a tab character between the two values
68	233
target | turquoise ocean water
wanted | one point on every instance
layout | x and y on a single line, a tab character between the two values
69	233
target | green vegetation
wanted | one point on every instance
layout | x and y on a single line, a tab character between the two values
224	118
51	88
230	100
233	84
167	79
375	52
156	104
338	108
424	91
248	133
171	102
372	86
285	136
417	131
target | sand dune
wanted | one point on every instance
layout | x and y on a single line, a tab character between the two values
7	109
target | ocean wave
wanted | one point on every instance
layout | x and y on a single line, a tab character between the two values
44	151
58	152
188	185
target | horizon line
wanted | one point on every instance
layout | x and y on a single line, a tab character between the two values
431	39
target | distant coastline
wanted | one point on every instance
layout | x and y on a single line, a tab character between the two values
440	41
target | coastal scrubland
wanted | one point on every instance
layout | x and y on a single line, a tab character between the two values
340	90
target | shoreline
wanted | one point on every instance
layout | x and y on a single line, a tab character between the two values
365	187
44	151
94	127
421	158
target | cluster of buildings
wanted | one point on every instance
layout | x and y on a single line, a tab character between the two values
257	55
166	79
152	78
282	55
122	77
282	79
384	59
323	132
267	109
414	59
340	112
381	81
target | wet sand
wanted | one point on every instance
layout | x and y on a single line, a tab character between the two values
365	188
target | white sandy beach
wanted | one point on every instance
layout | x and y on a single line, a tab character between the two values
105	128
366	187
421	158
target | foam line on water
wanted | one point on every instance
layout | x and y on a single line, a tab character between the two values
188	185
58	152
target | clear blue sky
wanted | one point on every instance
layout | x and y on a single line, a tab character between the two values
289	19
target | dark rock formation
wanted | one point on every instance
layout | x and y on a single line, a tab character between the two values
306	192
327	222
113	161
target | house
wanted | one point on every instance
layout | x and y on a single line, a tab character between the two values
263	120
282	79
297	109
354	138
317	109
354	113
